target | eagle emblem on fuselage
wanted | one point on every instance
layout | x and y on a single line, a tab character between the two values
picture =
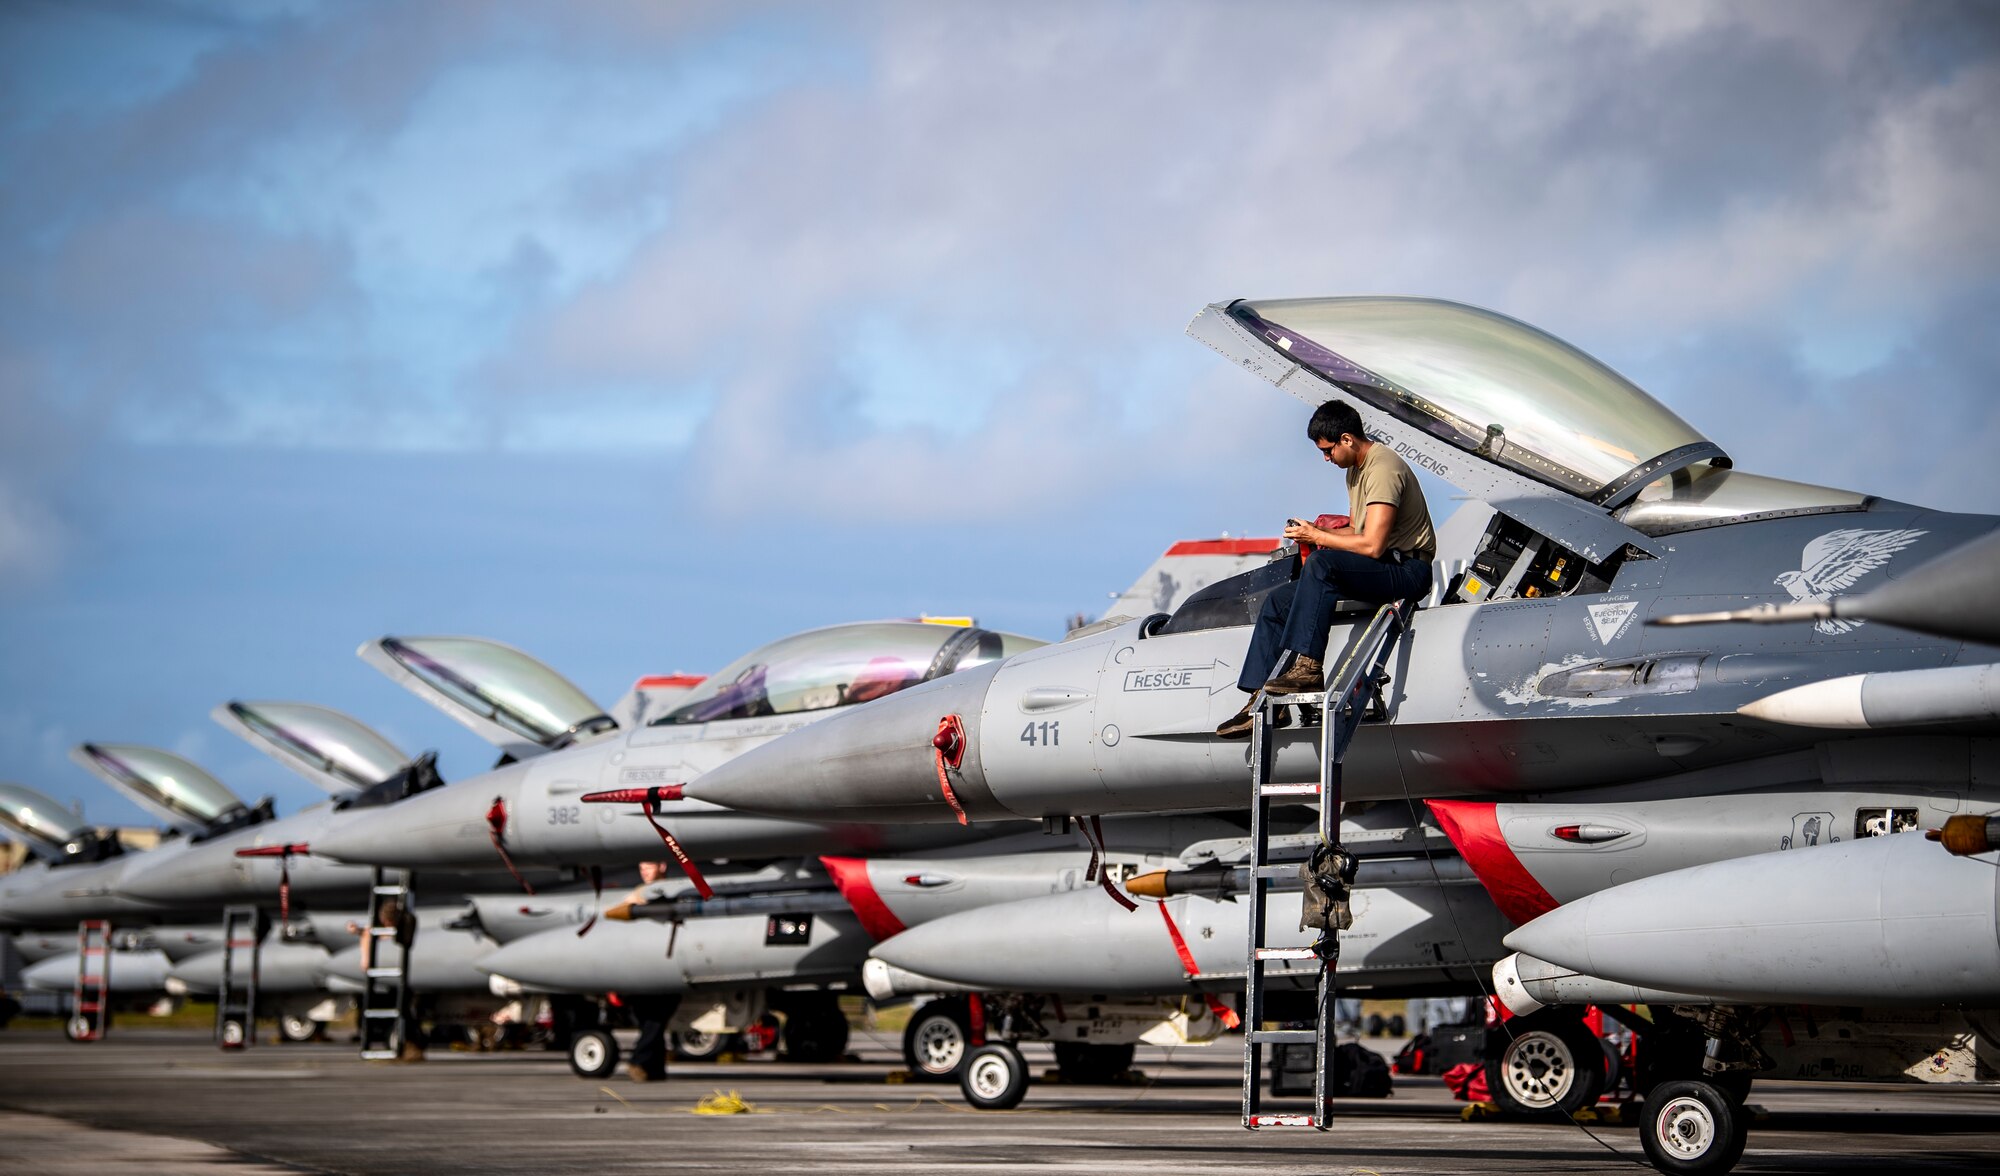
1834	561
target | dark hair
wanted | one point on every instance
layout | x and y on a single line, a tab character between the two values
1332	419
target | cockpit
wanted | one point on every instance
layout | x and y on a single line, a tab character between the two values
841	666
163	783
500	685
333	750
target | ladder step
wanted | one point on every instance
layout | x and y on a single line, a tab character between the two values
378	1055
1284	1036
1256	1121
378	932
383	973
394	891
1286	953
378	1012
1285	873
1288	790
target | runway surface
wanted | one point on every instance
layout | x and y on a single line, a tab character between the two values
168	1101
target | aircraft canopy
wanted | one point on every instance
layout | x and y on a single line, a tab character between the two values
38	820
840	666
333	750
1488	384
170	787
501	685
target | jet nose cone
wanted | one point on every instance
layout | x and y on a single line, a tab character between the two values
614	957
874	762
55	974
443	828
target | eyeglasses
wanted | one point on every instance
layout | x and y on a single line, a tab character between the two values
1326	448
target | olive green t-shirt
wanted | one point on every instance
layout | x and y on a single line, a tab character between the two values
1383	477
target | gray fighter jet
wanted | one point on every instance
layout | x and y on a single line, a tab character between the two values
1534	681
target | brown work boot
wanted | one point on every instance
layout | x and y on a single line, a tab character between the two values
639	1074
1304	676
1237	726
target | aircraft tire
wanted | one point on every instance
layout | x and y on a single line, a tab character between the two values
77	1028
235	1034
1549	1063
593	1053
994	1077
693	1045
815	1034
1692	1128
937	1040
298	1030
1086	1064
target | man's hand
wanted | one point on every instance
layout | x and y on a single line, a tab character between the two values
1305	532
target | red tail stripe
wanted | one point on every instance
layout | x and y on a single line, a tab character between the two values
1224	546
1474	828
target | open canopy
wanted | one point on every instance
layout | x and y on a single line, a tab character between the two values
507	697
337	752
38	820
841	666
1490	385
161	782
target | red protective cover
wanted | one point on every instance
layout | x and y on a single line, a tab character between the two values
1325	522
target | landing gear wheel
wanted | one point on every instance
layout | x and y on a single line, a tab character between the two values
1091	1064
1734	1084
298	1029
1548	1064
937	1039
1397	1026
593	1053
815	1032
1375	1025
235	1035
995	1077
77	1028
694	1045
1692	1129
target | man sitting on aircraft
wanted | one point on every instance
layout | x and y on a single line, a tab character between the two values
1384	554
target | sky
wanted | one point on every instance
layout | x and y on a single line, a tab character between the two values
638	334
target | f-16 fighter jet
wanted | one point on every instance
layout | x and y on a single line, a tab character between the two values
1536	679
533	811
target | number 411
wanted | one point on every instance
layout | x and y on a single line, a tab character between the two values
1042	734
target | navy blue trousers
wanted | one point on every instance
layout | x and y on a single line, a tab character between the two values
1297	616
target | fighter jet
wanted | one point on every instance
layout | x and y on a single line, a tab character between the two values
532	811
1535	679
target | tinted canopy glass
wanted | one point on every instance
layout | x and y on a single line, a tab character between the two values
501	683
174	789
1488	384
322	739
840	666
36	819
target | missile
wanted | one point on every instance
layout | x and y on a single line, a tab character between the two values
1404	938
1215	880
1955	595
649	957
1876	921
132	973
1897	698
284	967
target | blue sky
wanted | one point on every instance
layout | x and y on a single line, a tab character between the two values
636	334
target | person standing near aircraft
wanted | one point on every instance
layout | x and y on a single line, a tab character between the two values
649	1053
1383	554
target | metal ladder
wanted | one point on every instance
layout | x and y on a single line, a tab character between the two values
243	930
385	995
90	1009
1351	689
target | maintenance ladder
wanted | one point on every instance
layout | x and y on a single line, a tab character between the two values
243	930
90	1010
385	996
1350	692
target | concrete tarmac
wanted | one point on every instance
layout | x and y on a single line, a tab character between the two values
168	1101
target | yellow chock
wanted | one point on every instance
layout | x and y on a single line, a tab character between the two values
1479	1110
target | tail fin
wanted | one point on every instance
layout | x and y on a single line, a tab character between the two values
1186	568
